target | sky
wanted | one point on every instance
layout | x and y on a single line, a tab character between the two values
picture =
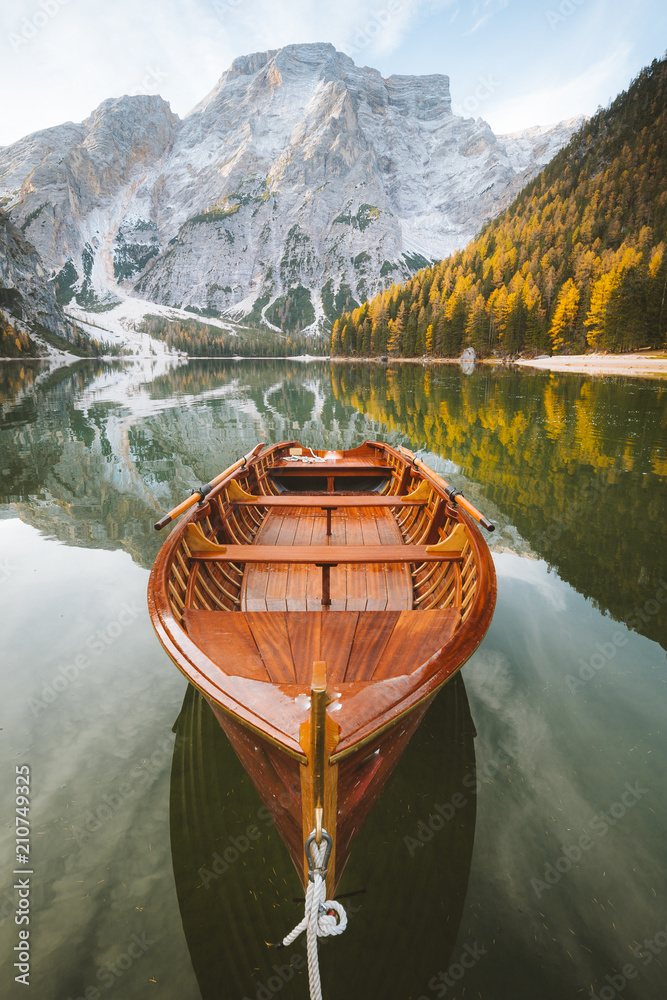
515	63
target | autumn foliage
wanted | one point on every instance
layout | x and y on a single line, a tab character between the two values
577	261
14	343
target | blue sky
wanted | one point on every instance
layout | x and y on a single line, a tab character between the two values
515	63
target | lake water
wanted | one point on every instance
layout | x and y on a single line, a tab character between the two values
519	849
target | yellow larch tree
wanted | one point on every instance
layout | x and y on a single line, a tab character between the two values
565	316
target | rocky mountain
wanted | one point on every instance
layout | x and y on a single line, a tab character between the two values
577	261
301	184
27	301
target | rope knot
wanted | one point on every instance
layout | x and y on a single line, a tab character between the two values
323	917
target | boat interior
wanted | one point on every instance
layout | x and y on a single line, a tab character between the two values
280	567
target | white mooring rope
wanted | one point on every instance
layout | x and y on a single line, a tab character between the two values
305	458
318	921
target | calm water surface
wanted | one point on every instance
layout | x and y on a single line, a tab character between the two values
519	849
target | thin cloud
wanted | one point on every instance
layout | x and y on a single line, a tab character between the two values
495	5
89	51
551	104
478	24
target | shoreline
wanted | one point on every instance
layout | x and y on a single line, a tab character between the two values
653	365
631	365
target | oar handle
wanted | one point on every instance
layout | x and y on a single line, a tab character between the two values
197	495
454	495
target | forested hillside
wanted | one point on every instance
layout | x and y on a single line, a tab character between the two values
577	261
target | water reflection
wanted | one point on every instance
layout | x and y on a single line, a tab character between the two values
244	886
577	465
566	915
572	467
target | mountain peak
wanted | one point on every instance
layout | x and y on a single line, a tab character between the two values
301	183
251	64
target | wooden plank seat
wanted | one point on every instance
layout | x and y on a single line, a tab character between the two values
326	555
358	645
327	501
340	467
377	576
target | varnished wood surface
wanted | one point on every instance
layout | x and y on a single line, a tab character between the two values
392	638
326	501
337	466
359	646
230	688
331	555
278	586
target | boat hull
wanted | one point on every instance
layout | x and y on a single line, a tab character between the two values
358	780
380	582
236	888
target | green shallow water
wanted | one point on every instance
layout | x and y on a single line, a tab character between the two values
519	849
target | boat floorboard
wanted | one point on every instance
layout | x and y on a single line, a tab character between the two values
376	587
357	646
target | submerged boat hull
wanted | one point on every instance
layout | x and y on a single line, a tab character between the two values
236	888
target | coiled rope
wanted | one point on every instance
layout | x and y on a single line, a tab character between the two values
323	917
304	458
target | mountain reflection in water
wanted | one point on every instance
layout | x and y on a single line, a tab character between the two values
568	704
571	467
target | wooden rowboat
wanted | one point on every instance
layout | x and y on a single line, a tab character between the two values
319	600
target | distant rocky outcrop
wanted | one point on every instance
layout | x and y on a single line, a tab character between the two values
28	304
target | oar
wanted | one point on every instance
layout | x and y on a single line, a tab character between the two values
204	490
454	495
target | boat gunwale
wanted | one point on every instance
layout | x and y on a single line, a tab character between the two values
422	683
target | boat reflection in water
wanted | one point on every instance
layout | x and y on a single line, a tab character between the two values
406	879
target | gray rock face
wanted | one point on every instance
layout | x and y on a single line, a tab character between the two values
25	295
300	183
